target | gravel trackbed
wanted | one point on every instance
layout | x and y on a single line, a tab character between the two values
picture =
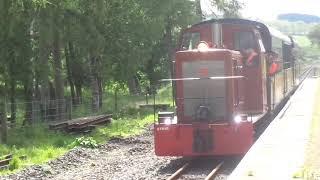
130	158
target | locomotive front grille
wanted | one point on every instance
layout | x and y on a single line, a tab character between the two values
204	99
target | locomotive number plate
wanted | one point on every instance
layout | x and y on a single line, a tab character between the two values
163	129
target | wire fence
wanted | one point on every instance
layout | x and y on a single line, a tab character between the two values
65	109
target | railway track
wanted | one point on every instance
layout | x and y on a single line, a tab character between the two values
187	167
4	161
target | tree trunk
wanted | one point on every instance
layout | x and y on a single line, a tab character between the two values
99	79
3	122
4	32
133	86
69	74
28	116
171	51
116	99
78	87
58	76
76	69
199	10
52	105
13	105
94	84
42	69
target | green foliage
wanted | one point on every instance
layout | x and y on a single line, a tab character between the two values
314	35
229	8
302	41
38	144
300	31
308	51
87	142
124	126
110	41
37	135
15	163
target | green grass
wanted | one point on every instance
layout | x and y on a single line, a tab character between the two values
36	143
40	145
124	127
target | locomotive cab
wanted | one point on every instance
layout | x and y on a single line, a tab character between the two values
220	83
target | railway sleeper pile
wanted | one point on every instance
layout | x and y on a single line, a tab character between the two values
83	124
5	161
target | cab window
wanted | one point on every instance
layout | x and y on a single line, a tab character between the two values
244	40
277	46
287	58
190	40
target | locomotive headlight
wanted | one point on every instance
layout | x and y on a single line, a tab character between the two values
166	118
237	119
167	121
203	46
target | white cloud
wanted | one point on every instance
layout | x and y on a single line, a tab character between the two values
270	9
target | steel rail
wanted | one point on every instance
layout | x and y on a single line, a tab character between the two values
179	172
5	161
213	173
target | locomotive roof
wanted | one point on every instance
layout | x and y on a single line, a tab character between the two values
266	32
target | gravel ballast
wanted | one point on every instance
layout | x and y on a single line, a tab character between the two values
131	158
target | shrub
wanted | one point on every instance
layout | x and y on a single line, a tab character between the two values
14	163
87	142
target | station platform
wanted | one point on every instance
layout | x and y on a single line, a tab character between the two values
279	153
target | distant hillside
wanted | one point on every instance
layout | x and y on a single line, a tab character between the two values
293	17
291	28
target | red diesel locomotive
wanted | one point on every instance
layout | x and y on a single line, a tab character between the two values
228	74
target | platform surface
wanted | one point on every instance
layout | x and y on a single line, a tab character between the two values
280	151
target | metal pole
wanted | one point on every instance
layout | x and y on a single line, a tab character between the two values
45	110
154	104
173	84
71	104
116	99
146	97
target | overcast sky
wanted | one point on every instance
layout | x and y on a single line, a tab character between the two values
269	9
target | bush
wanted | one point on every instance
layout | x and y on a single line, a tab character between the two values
87	142
14	163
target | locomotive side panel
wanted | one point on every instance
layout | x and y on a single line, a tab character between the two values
242	37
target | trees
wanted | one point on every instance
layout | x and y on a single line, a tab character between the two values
314	35
219	8
166	19
51	47
229	8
